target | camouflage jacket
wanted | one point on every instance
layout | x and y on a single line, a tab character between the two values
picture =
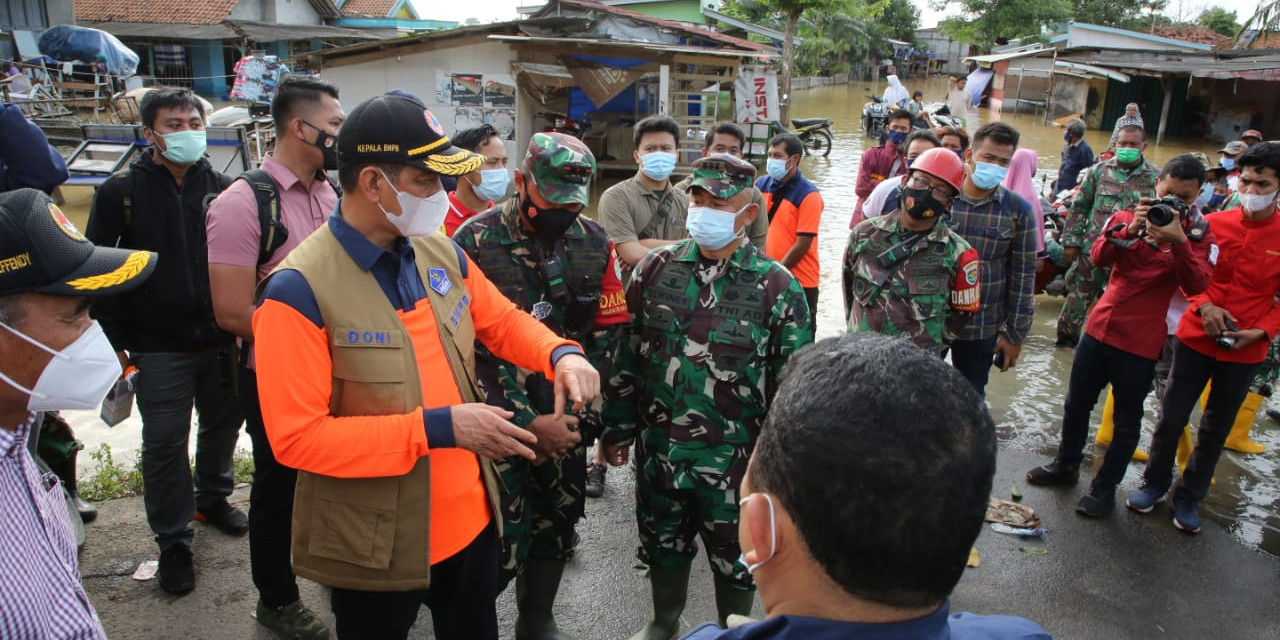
698	371
593	313
920	286
1107	188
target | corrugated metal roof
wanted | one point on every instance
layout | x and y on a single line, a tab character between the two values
993	58
653	46
685	27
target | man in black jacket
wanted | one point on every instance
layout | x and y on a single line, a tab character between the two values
166	329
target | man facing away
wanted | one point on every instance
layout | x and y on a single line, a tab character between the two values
832	562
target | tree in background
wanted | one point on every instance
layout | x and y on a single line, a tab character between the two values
984	21
1108	13
832	31
1219	20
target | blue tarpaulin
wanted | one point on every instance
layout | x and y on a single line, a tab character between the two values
67	43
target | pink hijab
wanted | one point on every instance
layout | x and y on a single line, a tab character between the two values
1018	180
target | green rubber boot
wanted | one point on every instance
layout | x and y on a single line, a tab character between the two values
536	588
732	601
670	590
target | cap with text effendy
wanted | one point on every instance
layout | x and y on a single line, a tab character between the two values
42	251
722	175
396	129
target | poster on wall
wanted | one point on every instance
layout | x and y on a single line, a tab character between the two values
504	120
467	118
497	94
444	87
468	89
756	94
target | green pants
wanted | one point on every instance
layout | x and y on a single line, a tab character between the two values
670	521
1085	284
541	506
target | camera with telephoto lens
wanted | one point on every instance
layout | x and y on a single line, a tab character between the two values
1166	210
1225	341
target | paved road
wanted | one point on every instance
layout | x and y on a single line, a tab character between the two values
1127	576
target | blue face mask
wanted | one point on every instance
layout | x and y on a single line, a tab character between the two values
1206	192
1228	163
1067	137
776	168
896	138
988	176
713	229
184	147
493	184
658	165
1216	199
959	153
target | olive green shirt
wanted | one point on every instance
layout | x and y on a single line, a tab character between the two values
626	210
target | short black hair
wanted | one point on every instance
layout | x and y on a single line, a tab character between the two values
999	133
922	134
883	456
957	132
655	124
1184	167
1134	127
1264	155
167	98
917	94
790	143
727	129
294	91
898	114
475	137
349	173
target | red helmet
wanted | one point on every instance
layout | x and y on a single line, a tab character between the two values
941	163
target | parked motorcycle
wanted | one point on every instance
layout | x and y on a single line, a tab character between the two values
562	123
814	134
874	115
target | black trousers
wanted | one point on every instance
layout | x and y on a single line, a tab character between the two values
811	296
464	589
1191	371
270	507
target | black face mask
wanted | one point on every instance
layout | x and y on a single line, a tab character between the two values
328	146
920	203
548	224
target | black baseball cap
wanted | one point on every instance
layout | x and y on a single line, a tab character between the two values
41	251
397	129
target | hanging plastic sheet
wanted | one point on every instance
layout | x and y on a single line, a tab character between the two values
257	77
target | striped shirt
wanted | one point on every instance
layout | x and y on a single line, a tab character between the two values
1001	227
40	592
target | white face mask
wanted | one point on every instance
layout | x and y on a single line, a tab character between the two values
773	536
78	377
1254	203
418	216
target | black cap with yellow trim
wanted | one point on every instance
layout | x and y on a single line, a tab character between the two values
396	129
41	251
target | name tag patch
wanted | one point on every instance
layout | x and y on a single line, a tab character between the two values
366	337
439	280
458	310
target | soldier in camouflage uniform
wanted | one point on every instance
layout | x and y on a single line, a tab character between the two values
714	322
561	268
906	274
1110	186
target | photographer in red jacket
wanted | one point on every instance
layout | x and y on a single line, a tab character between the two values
1224	336
1152	251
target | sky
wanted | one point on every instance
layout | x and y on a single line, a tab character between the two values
491	10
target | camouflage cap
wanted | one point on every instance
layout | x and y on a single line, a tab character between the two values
562	167
722	175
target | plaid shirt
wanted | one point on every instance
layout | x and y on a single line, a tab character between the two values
40	591
1003	231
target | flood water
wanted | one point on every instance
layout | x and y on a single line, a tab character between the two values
1026	402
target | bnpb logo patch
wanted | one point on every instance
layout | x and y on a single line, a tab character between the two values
63	223
432	122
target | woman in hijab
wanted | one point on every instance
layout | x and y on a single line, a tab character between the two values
895	95
1131	116
1021	169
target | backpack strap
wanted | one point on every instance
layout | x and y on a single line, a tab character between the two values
273	232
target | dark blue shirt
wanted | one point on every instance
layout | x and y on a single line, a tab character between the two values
1074	160
939	625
